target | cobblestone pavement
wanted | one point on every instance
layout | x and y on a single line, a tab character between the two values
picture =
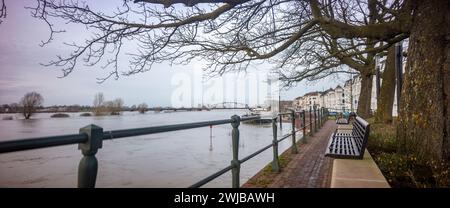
309	168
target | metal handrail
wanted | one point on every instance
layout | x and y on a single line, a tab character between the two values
255	153
41	142
51	141
91	137
211	177
284	137
165	128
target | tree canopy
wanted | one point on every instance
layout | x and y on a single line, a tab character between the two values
227	34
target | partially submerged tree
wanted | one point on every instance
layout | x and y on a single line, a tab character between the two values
29	103
229	34
116	106
102	107
98	107
142	108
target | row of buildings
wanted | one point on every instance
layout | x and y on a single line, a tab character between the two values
340	98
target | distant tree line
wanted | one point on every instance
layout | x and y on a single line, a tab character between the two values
114	107
102	107
32	102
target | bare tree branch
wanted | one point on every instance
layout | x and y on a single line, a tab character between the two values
190	3
227	35
2	11
380	31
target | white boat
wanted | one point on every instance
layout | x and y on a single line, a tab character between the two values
265	117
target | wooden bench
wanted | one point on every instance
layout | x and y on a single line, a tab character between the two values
342	121
349	145
347	120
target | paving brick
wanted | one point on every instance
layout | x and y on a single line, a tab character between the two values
309	168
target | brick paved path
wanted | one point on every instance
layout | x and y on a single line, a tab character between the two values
309	168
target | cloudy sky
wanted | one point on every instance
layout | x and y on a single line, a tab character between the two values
21	72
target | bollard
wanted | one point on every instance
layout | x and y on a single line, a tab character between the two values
236	120
294	146
304	126
88	166
275	162
310	121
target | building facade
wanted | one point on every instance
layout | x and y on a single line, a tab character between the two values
337	99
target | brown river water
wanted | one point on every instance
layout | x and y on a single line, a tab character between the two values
171	159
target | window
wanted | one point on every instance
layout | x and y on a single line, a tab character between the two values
343	95
343	101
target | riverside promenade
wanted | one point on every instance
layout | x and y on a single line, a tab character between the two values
307	169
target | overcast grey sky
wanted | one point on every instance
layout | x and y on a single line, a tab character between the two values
21	72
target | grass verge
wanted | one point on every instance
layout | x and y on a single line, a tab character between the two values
266	176
403	170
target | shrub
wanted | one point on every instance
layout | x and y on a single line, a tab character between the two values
382	138
59	115
7	118
403	170
409	171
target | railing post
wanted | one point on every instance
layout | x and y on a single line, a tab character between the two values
310	121
304	126
315	120
324	119
236	120
321	114
87	169
281	121
275	162
294	146
319	118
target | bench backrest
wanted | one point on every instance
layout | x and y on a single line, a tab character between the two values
361	130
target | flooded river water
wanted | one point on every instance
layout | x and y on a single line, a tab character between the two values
172	159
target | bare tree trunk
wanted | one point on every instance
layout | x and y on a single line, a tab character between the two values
424	126
27	112
386	100
365	95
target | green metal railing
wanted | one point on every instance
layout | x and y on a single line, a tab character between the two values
90	138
